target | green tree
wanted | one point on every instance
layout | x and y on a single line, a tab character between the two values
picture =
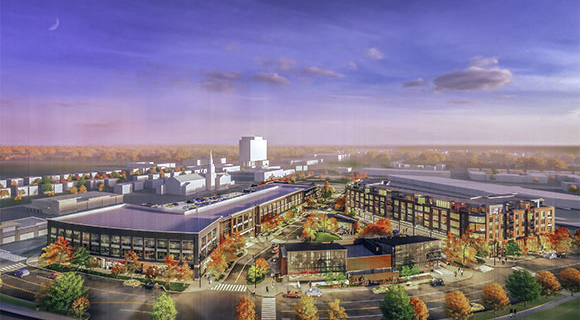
523	286
336	311
513	249
396	305
164	308
47	184
254	274
305	309
81	257
63	292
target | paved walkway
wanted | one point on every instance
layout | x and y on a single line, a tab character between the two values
542	307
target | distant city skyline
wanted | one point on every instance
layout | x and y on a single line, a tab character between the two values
299	73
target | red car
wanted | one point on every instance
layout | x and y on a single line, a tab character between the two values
54	275
289	294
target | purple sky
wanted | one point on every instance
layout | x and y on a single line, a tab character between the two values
296	72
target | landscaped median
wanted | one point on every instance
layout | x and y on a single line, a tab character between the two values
518	306
29	309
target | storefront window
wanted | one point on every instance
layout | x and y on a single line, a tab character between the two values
126	241
105	240
161	255
137	242
95	238
161	244
115	240
175	245
105	250
115	252
150	243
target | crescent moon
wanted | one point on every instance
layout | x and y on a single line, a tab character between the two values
55	25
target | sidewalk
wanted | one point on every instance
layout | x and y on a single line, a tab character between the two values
542	307
447	273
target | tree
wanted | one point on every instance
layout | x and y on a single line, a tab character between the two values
62	292
549	282
339	203
380	228
81	257
420	309
83	189
396	305
80	306
59	252
245	310
151	272
523	286
457	305
184	272
93	263
132	263
164	308
576	241
495	297
305	309
171	269
253	274
561	239
118	269
533	244
570	279
73	190
336	311
513	249
101	186
262	266
217	264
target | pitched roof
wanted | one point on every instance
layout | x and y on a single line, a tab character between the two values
188	177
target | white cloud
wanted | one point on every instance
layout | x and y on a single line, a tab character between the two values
352	66
281	64
415	83
316	71
375	54
272	78
483	73
220	81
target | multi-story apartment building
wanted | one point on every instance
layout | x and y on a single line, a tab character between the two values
497	218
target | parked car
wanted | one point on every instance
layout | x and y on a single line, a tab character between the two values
476	307
380	289
294	295
22	273
550	255
149	285
314	292
54	275
562	254
132	283
437	283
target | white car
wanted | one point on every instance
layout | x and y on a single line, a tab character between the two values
550	256
314	292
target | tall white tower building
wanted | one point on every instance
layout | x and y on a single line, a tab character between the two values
253	152
210	176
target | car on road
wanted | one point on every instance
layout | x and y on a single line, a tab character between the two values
149	285
294	295
562	254
132	283
314	292
381	289
54	275
550	255
22	273
437	283
476	307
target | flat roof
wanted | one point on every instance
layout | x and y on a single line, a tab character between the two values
143	218
357	250
313	246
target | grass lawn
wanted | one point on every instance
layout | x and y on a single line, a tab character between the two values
518	306
17	302
326	237
565	311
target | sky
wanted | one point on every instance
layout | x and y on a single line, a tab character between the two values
296	72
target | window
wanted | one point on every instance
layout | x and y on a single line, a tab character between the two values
104	240
126	241
137	242
149	243
115	240
161	244
175	245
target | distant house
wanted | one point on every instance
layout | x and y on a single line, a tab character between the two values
184	184
123	188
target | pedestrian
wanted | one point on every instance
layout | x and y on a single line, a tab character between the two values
511	313
267	289
462	272
515	313
455	274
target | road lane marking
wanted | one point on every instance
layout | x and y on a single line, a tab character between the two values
18	288
139	311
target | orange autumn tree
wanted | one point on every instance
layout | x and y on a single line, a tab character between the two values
132	263
118	269
59	252
576	241
495	297
561	240
549	283
420	308
339	203
217	264
231	245
570	279
380	228
262	265
171	269
245	310
457	305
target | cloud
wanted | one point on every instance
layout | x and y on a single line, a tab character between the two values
220	81
281	64
375	54
415	83
352	66
317	72
482	74
272	78
460	102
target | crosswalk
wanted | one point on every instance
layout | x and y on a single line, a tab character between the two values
269	309
7	255
12	267
229	287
